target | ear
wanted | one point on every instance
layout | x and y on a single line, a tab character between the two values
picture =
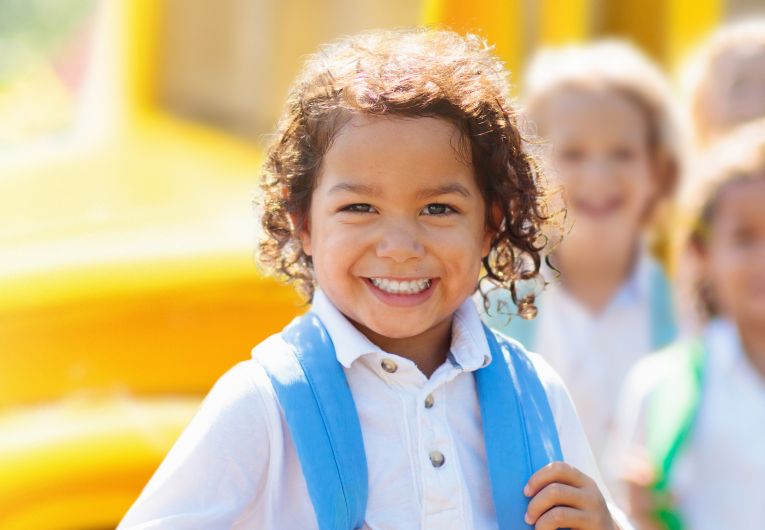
496	220
665	175
697	251
303	229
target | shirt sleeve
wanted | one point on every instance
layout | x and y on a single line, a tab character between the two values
210	476
574	445
627	440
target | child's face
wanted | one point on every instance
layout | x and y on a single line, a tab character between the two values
602	158
734	258
736	93
395	203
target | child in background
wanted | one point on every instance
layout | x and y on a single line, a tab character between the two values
690	440
606	112
396	172
724	82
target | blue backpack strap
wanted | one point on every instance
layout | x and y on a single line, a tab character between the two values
519	429
663	323
319	409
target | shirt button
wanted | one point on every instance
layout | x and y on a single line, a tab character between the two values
389	365
429	401
437	458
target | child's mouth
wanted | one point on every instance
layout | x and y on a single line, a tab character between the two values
401	286
402	292
598	209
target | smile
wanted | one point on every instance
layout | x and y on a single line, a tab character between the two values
598	209
401	286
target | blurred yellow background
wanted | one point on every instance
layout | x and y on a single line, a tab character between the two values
130	138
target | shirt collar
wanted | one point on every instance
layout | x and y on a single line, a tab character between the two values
635	288
349	342
469	347
638	284
723	345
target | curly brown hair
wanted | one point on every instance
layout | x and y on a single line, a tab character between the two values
406	73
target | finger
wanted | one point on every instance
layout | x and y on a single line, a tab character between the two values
638	468
643	499
556	472
646	523
639	499
555	494
562	517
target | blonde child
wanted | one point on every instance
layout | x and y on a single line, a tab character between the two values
724	81
605	112
690	442
396	171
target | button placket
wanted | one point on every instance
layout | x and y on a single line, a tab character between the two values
441	482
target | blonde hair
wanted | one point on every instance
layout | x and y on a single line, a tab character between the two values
699	71
738	156
612	65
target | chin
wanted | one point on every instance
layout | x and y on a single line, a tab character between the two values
396	332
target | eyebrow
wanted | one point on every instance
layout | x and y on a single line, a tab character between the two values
364	189
452	187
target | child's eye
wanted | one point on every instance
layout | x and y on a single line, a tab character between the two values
438	209
571	154
358	208
744	238
623	154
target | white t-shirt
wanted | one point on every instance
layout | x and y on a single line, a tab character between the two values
235	465
719	477
593	352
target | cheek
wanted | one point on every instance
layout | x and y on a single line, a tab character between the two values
727	273
333	244
639	184
460	248
339	246
642	190
567	174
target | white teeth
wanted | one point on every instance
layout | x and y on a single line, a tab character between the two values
404	287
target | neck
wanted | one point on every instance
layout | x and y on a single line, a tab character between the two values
428	350
753	342
594	278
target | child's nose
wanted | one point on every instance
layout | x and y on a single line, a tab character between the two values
599	169
400	243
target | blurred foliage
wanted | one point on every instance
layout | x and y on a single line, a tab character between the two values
31	30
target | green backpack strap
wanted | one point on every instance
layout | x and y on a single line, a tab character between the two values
672	412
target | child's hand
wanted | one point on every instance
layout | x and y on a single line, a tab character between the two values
564	497
642	501
640	506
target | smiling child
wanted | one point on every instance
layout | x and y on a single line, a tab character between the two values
397	171
606	113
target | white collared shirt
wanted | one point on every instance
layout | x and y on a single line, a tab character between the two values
593	352
235	465
719	477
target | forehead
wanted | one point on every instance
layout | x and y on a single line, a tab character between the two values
742	201
579	113
384	148
740	58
